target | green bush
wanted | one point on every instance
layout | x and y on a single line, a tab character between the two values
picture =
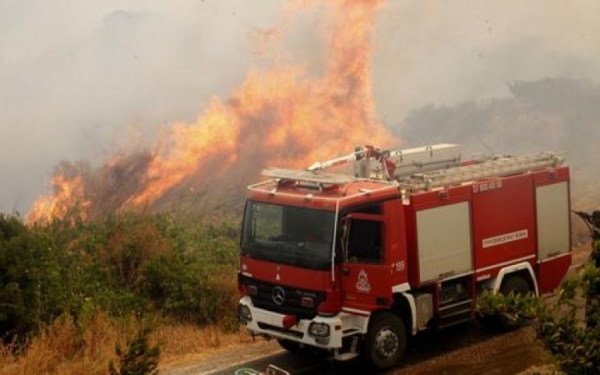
568	326
35	279
506	312
196	280
166	264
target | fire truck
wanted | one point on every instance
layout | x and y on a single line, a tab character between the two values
356	263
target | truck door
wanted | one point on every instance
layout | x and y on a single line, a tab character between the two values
365	277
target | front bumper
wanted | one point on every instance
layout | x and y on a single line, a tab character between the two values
270	324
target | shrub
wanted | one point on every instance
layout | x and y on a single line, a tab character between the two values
510	311
34	278
568	326
196	281
131	263
139	359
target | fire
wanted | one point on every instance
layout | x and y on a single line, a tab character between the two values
67	195
215	134
276	117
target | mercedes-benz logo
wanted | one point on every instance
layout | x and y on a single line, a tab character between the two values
278	295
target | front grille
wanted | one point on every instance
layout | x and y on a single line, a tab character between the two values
292	304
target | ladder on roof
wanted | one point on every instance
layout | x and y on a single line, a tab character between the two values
370	162
314	177
495	167
373	163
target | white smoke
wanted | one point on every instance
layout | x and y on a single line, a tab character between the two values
444	52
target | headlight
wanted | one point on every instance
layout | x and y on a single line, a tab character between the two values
245	314
318	329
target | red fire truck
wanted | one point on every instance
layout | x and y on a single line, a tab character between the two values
355	263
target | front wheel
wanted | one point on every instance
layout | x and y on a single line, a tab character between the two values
385	342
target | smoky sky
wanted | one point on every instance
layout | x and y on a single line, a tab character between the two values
80	80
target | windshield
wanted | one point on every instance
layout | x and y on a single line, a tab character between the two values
289	235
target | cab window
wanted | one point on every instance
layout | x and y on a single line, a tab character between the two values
364	241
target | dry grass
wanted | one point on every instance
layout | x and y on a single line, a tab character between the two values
186	344
63	348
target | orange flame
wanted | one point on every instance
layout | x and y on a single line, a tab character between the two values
276	117
215	133
67	193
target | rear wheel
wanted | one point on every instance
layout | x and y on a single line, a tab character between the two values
385	342
517	285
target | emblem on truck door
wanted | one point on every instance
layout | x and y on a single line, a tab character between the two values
362	283
278	295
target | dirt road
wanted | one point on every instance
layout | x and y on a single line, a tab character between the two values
465	350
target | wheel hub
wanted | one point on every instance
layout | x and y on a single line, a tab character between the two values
386	343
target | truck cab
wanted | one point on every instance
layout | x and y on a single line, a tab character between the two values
313	259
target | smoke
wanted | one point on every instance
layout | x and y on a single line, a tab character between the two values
447	52
76	80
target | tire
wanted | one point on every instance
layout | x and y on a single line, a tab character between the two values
385	342
290	346
515	284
